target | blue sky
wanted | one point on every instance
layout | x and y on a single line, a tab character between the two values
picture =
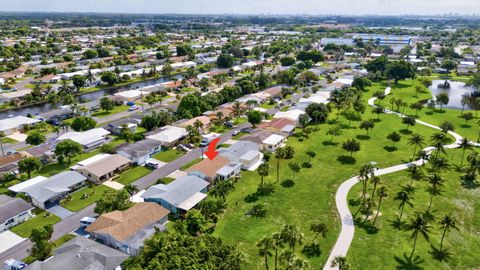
355	7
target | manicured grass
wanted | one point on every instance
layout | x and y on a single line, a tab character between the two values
406	91
55	168
7	140
239	120
190	164
267	105
131	175
219	129
168	155
116	109
38	221
62	240
393	246
312	197
77	203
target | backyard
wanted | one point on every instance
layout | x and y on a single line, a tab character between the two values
79	200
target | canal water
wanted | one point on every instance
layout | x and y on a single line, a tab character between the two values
42	108
455	93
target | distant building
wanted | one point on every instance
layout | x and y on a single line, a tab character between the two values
385	39
337	41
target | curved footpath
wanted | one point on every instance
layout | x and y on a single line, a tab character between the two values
348	227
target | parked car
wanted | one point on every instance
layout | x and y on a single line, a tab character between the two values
133	108
228	124
235	132
246	130
87	221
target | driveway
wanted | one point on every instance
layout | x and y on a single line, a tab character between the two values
8	240
59	211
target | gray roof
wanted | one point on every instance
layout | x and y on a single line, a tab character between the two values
238	149
177	191
81	253
122	121
140	148
11	207
54	185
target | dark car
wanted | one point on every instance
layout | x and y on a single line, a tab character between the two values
246	130
228	124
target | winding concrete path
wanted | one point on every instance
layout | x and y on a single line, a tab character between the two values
348	227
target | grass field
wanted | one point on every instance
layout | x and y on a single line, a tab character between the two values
133	174
190	164
311	198
392	247
116	109
77	203
38	221
168	155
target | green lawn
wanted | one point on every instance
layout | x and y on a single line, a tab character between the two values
7	140
190	164
406	91
219	129
77	203
267	105
391	245
38	221
312	196
55	168
168	155
117	109
131	175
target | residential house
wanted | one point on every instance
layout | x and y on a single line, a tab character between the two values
245	153
283	125
116	127
81	253
180	195
218	168
126	230
89	139
292	114
191	122
44	152
56	116
267	140
16	124
168	136
140	151
44	192
104	168
13	211
14	95
9	163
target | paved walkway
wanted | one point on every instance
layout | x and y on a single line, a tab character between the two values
59	211
348	226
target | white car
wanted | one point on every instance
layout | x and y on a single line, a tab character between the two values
133	108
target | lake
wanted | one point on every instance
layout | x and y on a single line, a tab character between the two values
455	93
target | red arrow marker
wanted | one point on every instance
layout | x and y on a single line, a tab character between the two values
212	149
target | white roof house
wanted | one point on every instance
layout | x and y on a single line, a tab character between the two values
319	97
273	139
12	124
169	135
290	114
26	184
130	94
88	139
183	64
89	161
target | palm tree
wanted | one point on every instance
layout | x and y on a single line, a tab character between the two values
319	228
366	172
440	164
89	76
375	180
219	118
311	154
448	222
404	198
423	155
237	109
56	129
222	189
418	225
436	182
415	173
464	145
279	155
263	170
264	247
341	263
294	167
382	193
291	236
65	86
465	100
198	125
277	243
416	140
439	148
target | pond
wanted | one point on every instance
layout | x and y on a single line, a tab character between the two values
455	93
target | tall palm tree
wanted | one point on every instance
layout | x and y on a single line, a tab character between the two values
265	245
89	76
436	182
131	189
418	225
415	173
448	222
366	172
279	155
416	140
404	198
439	148
222	189
423	155
311	154
65	86
277	243
291	236
375	180
465	100
464	145
319	228
263	171
237	109
440	164
382	193
198	125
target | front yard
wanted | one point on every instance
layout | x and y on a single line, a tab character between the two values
38	221
116	109
76	202
168	155
133	174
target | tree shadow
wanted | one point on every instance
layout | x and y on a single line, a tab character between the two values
346	160
409	263
406	131
466	126
288	183
439	110
397	224
329	143
390	148
469	182
312	250
354	202
440	255
429	113
363	137
367	226
250	198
